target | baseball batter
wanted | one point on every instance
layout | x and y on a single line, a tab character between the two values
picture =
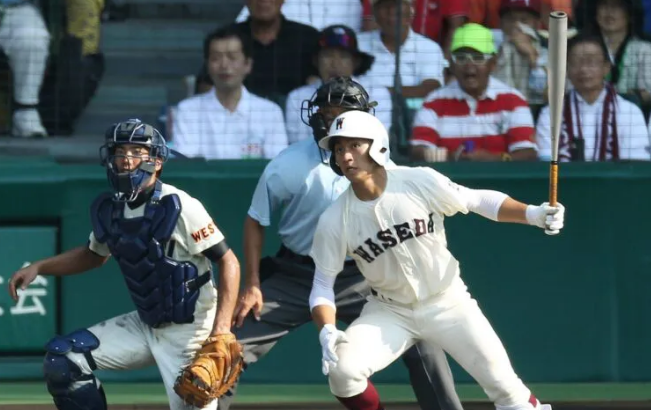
163	241
390	221
300	183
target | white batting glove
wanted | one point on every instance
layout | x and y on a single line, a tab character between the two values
330	337
550	218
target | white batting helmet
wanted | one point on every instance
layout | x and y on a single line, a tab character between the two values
359	124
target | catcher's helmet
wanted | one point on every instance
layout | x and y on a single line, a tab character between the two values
127	184
338	92
358	124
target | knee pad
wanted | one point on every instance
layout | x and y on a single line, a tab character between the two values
68	379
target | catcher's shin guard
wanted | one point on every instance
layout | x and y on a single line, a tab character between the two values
72	387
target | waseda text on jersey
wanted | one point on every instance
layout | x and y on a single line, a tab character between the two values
388	238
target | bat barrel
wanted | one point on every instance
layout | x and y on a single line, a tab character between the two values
556	70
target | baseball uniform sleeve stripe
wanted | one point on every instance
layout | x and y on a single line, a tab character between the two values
322	290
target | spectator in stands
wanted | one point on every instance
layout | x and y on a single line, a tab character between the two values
25	40
83	19
598	124
522	59
421	59
486	12
435	19
282	50
228	122
620	23
336	55
74	73
477	117
319	13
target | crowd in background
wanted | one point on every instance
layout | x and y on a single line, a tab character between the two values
472	77
471	85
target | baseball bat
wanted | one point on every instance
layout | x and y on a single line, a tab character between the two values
556	69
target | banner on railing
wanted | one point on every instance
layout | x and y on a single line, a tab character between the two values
28	323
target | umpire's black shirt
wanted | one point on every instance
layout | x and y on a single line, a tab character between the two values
285	63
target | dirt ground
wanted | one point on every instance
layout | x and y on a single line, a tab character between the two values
620	405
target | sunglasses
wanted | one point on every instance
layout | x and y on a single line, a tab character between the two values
471	58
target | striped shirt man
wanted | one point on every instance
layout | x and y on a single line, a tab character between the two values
499	123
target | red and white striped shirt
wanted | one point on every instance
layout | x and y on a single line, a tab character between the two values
499	122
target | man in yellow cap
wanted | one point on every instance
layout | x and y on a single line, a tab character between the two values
476	117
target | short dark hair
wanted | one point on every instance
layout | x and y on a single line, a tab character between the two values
224	33
586	17
589	39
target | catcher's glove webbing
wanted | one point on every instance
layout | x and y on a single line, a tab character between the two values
213	371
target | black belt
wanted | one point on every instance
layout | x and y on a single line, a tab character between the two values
287	254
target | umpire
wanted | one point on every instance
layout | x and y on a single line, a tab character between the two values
300	181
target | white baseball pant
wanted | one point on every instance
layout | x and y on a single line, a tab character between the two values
452	320
128	343
25	40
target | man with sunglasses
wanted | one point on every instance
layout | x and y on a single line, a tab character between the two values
476	117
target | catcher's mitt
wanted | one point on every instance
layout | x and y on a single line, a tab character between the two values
213	371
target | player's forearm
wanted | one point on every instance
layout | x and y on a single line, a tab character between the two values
323	315
322	299
229	284
74	261
253	241
512	211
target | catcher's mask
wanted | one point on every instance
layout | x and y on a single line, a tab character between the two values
337	92
128	183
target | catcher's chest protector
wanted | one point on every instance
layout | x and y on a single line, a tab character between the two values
164	290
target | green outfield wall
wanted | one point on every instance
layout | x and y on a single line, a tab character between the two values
570	308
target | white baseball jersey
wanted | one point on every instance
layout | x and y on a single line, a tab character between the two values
398	240
195	232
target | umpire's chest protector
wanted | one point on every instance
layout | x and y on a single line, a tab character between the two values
164	290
